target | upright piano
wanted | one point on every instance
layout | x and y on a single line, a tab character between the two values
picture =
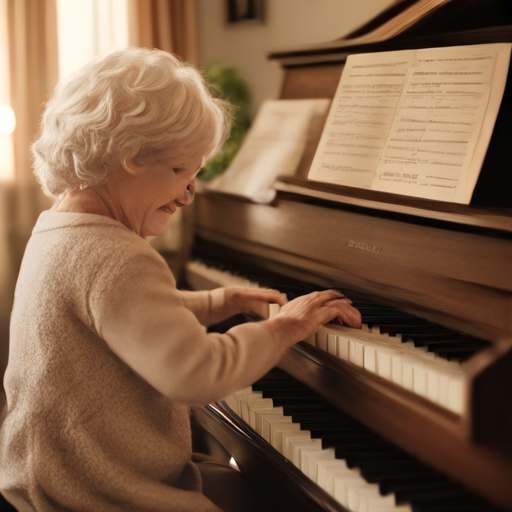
417	404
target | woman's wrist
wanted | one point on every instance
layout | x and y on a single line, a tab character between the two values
282	330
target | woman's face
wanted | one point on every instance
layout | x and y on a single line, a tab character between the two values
146	199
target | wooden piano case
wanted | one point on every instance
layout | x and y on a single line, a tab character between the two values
450	263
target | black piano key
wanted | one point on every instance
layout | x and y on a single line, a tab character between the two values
289	393
344	446
374	476
467	504
386	465
403	322
440	492
438	347
411	330
342	452
367	305
291	401
388	486
422	340
383	312
379	461
323	419
261	386
452	342
453	351
291	410
360	459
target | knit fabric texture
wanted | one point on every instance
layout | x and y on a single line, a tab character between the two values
105	357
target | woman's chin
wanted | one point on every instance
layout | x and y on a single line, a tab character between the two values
157	226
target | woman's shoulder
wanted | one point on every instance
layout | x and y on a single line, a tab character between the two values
93	240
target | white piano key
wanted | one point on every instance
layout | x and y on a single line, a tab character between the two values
333	475
361	497
385	362
370	358
432	383
276	433
305	452
315	457
288	437
359	358
324	466
419	378
299	445
342	484
352	350
407	373
331	344
260	414
267	425
258	405
444	383
455	393
396	364
243	394
386	508
342	347
244	410
273	310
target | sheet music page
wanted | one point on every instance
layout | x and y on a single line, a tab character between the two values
415	122
361	114
274	145
431	149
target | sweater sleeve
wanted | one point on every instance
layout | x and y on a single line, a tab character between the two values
207	305
142	317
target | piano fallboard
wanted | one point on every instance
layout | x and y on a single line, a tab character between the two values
459	278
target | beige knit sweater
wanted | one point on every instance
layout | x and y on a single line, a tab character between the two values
105	357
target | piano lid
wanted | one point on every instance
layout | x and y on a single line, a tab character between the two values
446	23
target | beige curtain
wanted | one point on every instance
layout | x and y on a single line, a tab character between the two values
168	25
33	74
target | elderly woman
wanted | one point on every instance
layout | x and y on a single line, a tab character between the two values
106	354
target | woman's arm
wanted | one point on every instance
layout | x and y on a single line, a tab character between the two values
213	306
144	320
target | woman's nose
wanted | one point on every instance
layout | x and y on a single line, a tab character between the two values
188	196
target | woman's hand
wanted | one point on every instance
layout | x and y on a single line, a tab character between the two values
304	315
252	301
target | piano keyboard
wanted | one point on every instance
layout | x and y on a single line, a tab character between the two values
424	358
359	469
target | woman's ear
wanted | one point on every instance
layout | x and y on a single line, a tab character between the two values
131	165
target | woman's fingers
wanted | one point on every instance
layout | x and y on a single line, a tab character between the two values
269	295
346	313
304	315
276	297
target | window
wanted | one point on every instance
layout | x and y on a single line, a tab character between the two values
7	119
89	28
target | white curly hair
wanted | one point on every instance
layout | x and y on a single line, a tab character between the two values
131	103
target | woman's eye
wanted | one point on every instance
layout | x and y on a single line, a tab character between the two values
177	169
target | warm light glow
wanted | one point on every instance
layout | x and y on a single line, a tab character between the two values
7	119
100	25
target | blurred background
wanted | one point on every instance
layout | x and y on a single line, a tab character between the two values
42	41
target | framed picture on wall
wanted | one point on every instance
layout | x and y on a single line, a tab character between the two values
243	11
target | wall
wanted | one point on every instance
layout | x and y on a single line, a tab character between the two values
287	22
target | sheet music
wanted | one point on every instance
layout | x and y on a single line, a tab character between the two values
273	146
414	122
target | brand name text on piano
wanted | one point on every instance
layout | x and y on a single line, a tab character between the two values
363	246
